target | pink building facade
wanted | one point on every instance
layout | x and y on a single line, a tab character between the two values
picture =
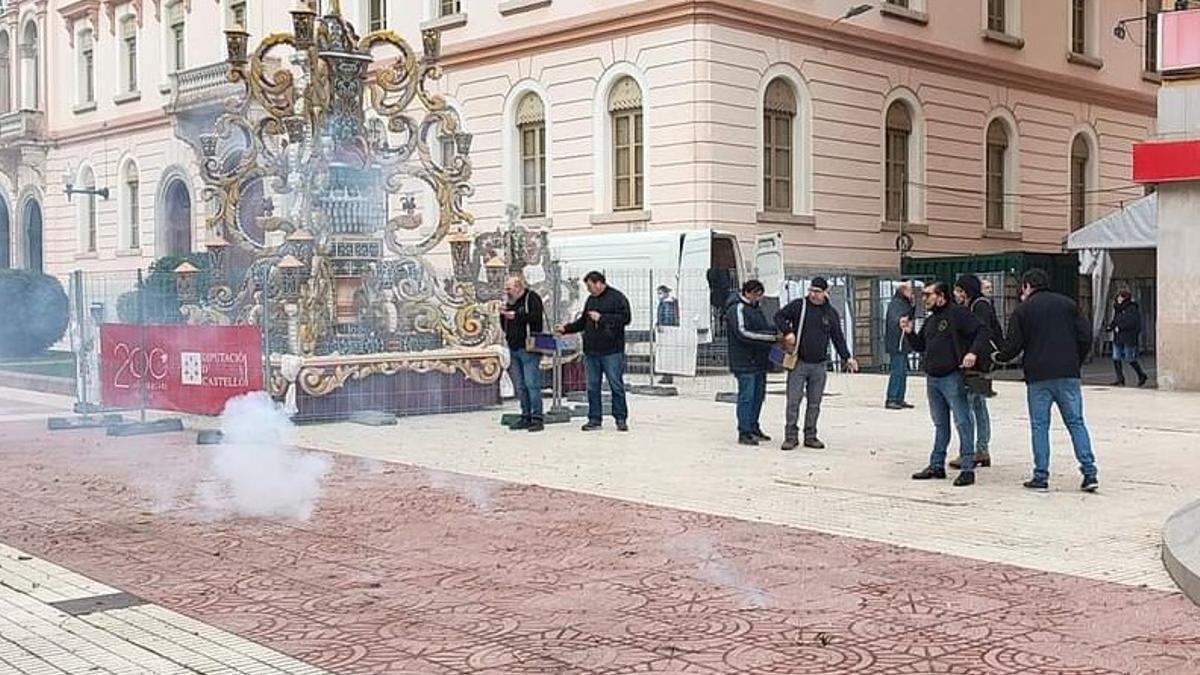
971	126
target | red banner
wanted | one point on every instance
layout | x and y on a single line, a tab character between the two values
1166	161
193	369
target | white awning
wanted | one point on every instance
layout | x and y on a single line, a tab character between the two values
1135	226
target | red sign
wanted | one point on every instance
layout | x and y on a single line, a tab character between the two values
1179	40
193	369
1166	161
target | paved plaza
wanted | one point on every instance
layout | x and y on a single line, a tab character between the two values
448	545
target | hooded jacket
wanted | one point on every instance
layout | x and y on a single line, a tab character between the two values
948	334
1052	333
893	337
751	336
1126	324
985	313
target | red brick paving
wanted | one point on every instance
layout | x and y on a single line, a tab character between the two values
403	571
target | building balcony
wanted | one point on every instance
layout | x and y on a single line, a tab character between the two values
202	86
22	126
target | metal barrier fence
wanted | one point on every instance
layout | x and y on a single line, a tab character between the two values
431	346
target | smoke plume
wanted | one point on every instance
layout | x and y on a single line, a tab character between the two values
257	472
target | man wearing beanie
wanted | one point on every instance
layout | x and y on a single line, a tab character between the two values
808	325
968	292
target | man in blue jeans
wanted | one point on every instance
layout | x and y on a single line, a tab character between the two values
1055	339
521	317
751	338
605	316
902	305
951	340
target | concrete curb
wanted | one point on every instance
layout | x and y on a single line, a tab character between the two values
39	383
1181	549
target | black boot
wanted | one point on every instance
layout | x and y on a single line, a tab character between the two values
1120	381
1142	376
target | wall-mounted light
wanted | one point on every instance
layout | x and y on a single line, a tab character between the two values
854	11
1120	31
69	188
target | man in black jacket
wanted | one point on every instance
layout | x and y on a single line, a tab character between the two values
902	305
808	325
1126	327
951	339
522	316
605	316
751	338
968	292
1055	339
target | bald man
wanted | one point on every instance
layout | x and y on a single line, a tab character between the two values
522	316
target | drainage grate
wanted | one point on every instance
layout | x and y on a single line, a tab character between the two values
97	603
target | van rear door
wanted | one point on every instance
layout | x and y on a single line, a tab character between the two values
768	268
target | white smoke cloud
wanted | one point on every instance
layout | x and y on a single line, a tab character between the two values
714	568
478	491
257	471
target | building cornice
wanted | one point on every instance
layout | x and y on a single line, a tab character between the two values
802	27
121	125
80	10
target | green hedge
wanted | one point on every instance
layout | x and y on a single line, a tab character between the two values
36	312
160	295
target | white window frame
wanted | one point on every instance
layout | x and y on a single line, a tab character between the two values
1012	169
125	229
511	142
85	204
1012	17
916	156
128	79
1091	27
82	100
802	164
169	51
1091	178
603	183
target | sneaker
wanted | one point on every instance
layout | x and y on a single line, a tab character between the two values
591	426
814	443
1090	484
1142	380
1037	484
790	444
930	473
747	439
622	426
520	425
893	405
965	478
761	437
536	426
906	405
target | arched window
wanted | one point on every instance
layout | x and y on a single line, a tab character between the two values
131	207
176	219
531	128
88	216
5	73
129	55
898	141
625	111
31	217
86	76
1081	158
779	116
997	170
176	36
30	70
5	236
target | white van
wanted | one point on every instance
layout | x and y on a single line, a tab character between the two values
637	263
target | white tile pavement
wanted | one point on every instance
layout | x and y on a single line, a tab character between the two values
39	639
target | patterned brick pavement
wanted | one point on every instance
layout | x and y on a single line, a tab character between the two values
407	571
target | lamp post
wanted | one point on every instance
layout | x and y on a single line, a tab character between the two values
70	189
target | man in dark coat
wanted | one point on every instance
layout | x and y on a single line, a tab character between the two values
951	340
605	316
902	305
968	292
1126	327
751	338
1055	338
809	325
522	316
